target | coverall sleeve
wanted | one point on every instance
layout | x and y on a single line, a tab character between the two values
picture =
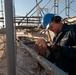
70	52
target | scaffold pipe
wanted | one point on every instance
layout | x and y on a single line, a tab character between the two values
49	67
10	46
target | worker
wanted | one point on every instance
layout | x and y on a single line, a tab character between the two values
63	47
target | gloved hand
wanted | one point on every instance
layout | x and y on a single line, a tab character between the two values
54	48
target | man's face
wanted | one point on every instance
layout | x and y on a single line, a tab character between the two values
54	27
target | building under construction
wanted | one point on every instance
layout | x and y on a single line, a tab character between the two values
18	35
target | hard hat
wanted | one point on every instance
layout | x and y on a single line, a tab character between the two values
46	19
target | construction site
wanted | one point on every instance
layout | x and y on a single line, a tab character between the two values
18	36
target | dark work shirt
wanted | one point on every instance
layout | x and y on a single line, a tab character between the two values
66	39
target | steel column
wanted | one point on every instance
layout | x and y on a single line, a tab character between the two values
8	19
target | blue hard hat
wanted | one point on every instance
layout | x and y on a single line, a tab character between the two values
46	19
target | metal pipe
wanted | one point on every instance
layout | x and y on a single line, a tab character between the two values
42	8
65	7
50	67
10	54
30	12
56	7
